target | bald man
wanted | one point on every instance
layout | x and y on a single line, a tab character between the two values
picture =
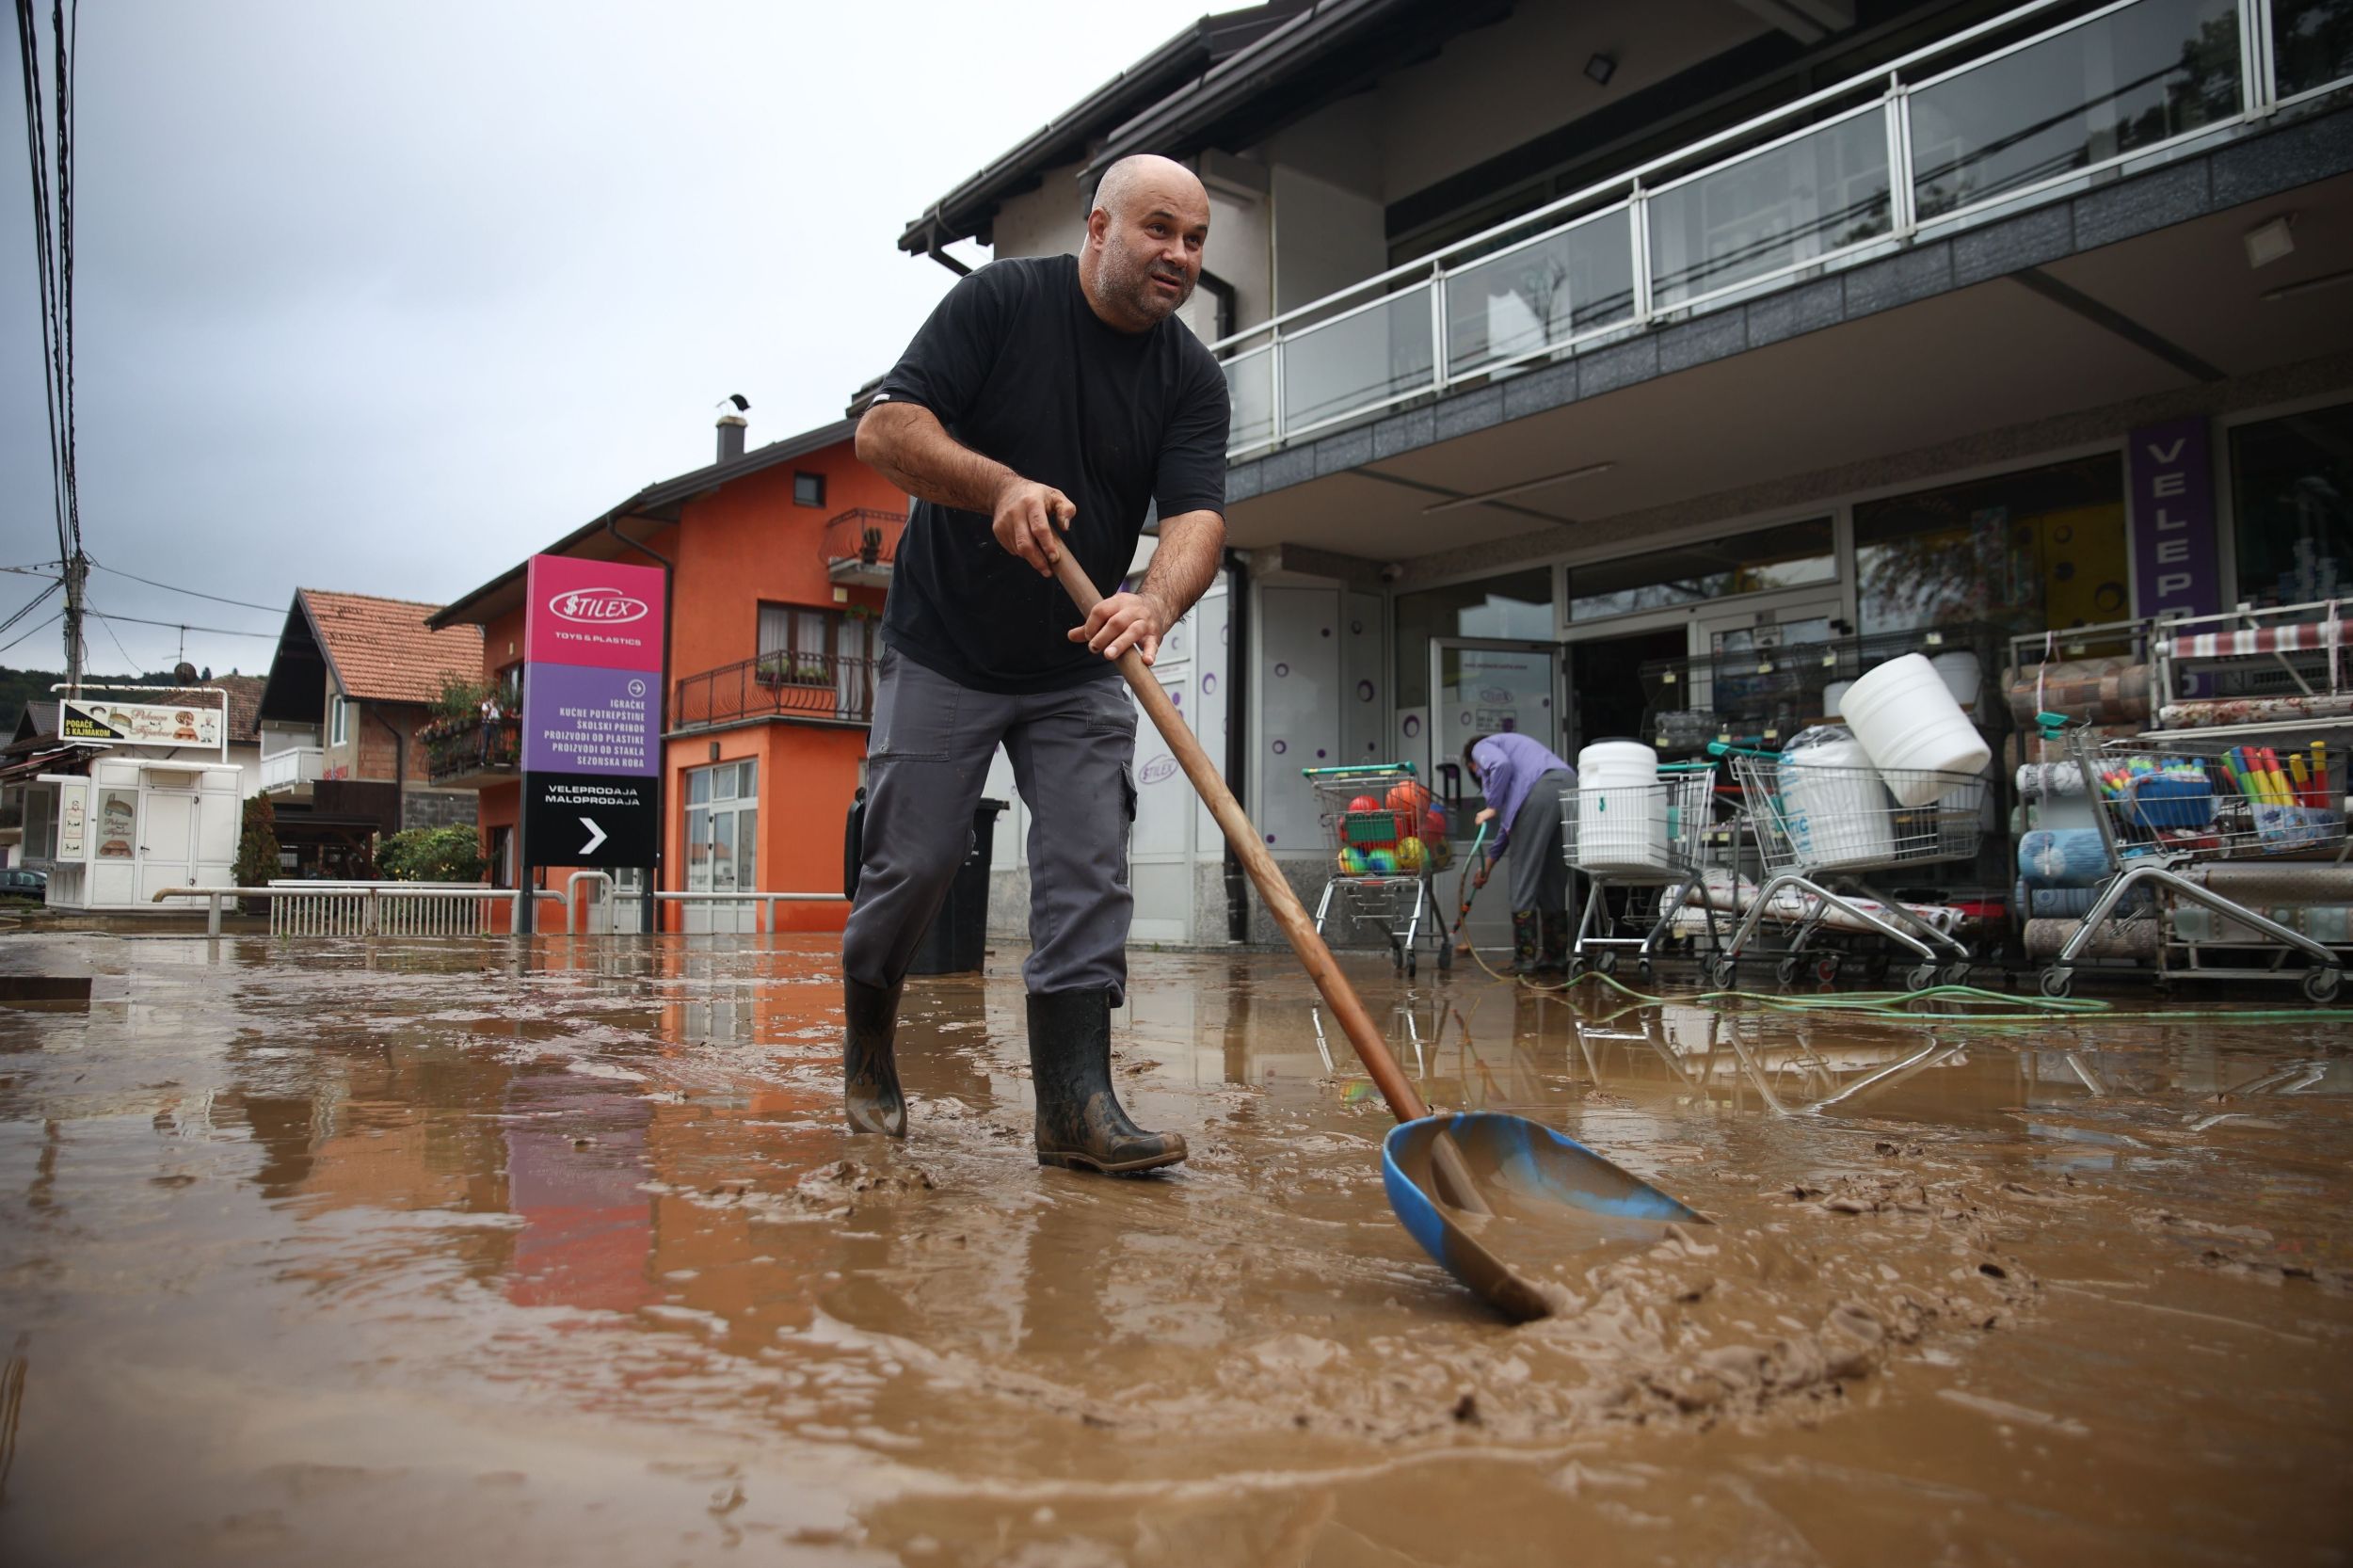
1045	406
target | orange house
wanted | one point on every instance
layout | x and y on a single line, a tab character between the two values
778	560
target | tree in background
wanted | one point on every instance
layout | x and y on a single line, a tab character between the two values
452	854
257	851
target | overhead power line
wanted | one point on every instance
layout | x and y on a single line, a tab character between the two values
182	626
43	627
192	593
30	605
53	239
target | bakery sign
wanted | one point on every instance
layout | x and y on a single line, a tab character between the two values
95	721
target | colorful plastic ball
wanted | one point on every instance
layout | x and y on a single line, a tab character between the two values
1409	857
1408	797
1381	863
1363	802
1433	824
1351	862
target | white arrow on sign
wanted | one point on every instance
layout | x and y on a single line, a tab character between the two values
596	835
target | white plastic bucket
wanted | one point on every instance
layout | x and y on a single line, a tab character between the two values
1621	811
1963	677
1834	808
1905	719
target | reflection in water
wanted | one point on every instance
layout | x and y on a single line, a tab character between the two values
588	1208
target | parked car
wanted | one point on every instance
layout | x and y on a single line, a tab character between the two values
18	882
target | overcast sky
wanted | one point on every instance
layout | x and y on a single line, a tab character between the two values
382	297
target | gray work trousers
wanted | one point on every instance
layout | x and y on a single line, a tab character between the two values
1537	862
1073	753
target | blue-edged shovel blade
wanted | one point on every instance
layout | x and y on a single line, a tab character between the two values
1552	1198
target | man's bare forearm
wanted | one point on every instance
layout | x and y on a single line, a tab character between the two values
1185	562
908	446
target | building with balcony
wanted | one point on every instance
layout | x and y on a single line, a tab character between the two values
1567	342
346	724
778	558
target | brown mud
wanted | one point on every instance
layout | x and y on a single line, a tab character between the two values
461	1252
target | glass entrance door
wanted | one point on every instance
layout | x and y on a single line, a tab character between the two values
1482	687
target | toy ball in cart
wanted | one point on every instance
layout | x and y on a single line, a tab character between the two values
1387	836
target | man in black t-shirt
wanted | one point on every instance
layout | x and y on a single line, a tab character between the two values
1047	404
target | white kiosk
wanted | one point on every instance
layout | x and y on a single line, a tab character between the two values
147	816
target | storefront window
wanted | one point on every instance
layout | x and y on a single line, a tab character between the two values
2292	494
1792	555
2044	549
1517	605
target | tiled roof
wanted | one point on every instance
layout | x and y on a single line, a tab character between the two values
382	650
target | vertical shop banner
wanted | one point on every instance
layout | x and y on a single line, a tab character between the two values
592	708
2169	474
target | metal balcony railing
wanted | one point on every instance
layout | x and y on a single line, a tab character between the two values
818	686
865	535
292	768
1991	119
468	752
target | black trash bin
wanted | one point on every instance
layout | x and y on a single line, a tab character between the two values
958	935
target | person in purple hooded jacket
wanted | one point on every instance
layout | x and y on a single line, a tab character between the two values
1522	782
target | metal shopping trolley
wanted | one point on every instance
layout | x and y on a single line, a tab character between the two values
1645	838
1818	829
2198	800
1386	836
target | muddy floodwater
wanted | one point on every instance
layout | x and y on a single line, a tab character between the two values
466	1251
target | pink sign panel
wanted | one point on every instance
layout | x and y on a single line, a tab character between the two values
598	613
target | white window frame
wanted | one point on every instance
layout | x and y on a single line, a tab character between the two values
338	720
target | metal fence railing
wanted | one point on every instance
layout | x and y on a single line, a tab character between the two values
777	686
1988	119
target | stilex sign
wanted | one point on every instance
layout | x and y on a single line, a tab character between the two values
592	707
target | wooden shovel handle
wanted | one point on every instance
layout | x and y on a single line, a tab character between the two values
1281	902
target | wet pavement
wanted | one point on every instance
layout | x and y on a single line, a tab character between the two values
452	1251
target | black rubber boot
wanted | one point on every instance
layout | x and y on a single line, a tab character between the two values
1080	1123
1526	941
1552	956
870	1077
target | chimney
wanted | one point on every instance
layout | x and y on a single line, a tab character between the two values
731	437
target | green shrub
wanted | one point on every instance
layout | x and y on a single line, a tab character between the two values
450	853
257	851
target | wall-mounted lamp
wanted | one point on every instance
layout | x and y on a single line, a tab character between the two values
1601	68
2269	242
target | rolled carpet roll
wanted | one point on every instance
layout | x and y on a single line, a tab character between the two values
2062	858
2026	747
2255	709
2253	881
2135	939
2048	780
2328	924
2073	904
2104	691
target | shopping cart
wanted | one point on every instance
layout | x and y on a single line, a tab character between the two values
2199	800
1387	836
1646	840
1819	828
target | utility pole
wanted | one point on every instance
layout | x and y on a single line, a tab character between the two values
76	575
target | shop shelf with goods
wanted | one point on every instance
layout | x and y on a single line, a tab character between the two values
2212	856
2101	677
1388	838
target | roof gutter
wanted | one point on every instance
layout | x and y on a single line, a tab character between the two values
1249	73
